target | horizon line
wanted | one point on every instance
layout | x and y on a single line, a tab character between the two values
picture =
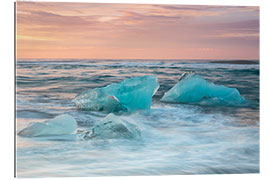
134	59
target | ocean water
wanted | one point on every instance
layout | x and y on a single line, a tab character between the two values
176	138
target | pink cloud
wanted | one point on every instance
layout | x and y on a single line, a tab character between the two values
136	31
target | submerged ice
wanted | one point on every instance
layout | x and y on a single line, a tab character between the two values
114	127
193	88
60	125
129	95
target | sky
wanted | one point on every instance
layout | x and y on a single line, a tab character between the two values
58	30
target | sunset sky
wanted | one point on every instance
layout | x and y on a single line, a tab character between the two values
134	31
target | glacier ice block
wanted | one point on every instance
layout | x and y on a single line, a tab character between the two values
129	95
97	100
193	88
114	127
60	125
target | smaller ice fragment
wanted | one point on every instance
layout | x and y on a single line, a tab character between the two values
60	125
193	88
114	127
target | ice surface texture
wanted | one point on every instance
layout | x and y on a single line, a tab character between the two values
114	127
97	100
129	95
60	125
193	88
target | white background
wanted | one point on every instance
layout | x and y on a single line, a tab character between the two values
7	88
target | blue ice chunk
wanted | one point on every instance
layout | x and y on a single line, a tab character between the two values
97	100
129	95
60	125
115	127
193	88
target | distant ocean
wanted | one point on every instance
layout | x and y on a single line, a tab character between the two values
176	138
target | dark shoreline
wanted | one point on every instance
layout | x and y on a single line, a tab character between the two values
236	62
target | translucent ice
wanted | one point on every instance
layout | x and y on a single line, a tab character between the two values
60	125
129	95
97	100
114	127
193	88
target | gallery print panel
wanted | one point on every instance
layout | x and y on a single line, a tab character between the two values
136	89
